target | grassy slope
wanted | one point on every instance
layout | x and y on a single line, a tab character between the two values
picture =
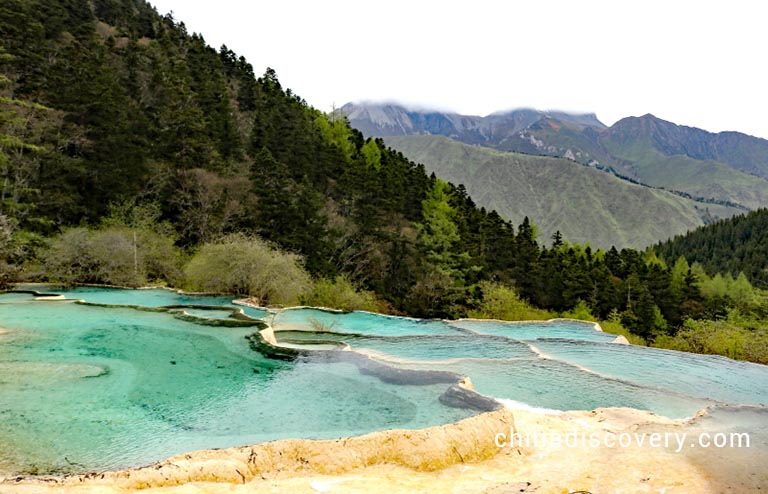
586	205
640	159
696	177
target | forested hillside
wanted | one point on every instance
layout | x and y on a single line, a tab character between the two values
739	244
132	153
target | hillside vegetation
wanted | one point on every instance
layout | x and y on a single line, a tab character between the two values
733	246
587	206
131	152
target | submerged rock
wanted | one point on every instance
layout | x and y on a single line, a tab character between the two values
459	397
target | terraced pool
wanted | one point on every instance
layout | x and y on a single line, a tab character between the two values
133	376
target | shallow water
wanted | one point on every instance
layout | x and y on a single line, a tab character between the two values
88	387
563	365
147	297
91	388
571	330
358	323
558	385
704	376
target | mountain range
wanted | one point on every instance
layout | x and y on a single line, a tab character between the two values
729	169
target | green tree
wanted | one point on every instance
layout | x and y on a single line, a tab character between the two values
371	154
557	239
741	290
439	234
644	317
526	268
679	272
335	130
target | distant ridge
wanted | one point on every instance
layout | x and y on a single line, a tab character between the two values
729	168
586	205
735	149
391	119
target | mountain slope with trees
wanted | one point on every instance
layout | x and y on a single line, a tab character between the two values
587	206
737	245
131	152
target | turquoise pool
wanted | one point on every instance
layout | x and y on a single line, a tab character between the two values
149	297
105	385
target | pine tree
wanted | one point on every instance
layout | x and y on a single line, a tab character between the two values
525	268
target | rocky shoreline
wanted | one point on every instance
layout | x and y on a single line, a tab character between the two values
462	458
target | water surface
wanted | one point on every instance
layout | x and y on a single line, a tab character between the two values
92	387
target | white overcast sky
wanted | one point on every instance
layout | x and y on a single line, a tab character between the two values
701	64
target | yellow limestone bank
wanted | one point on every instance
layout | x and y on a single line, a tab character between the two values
455	458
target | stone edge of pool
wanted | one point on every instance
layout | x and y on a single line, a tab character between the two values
430	449
471	441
